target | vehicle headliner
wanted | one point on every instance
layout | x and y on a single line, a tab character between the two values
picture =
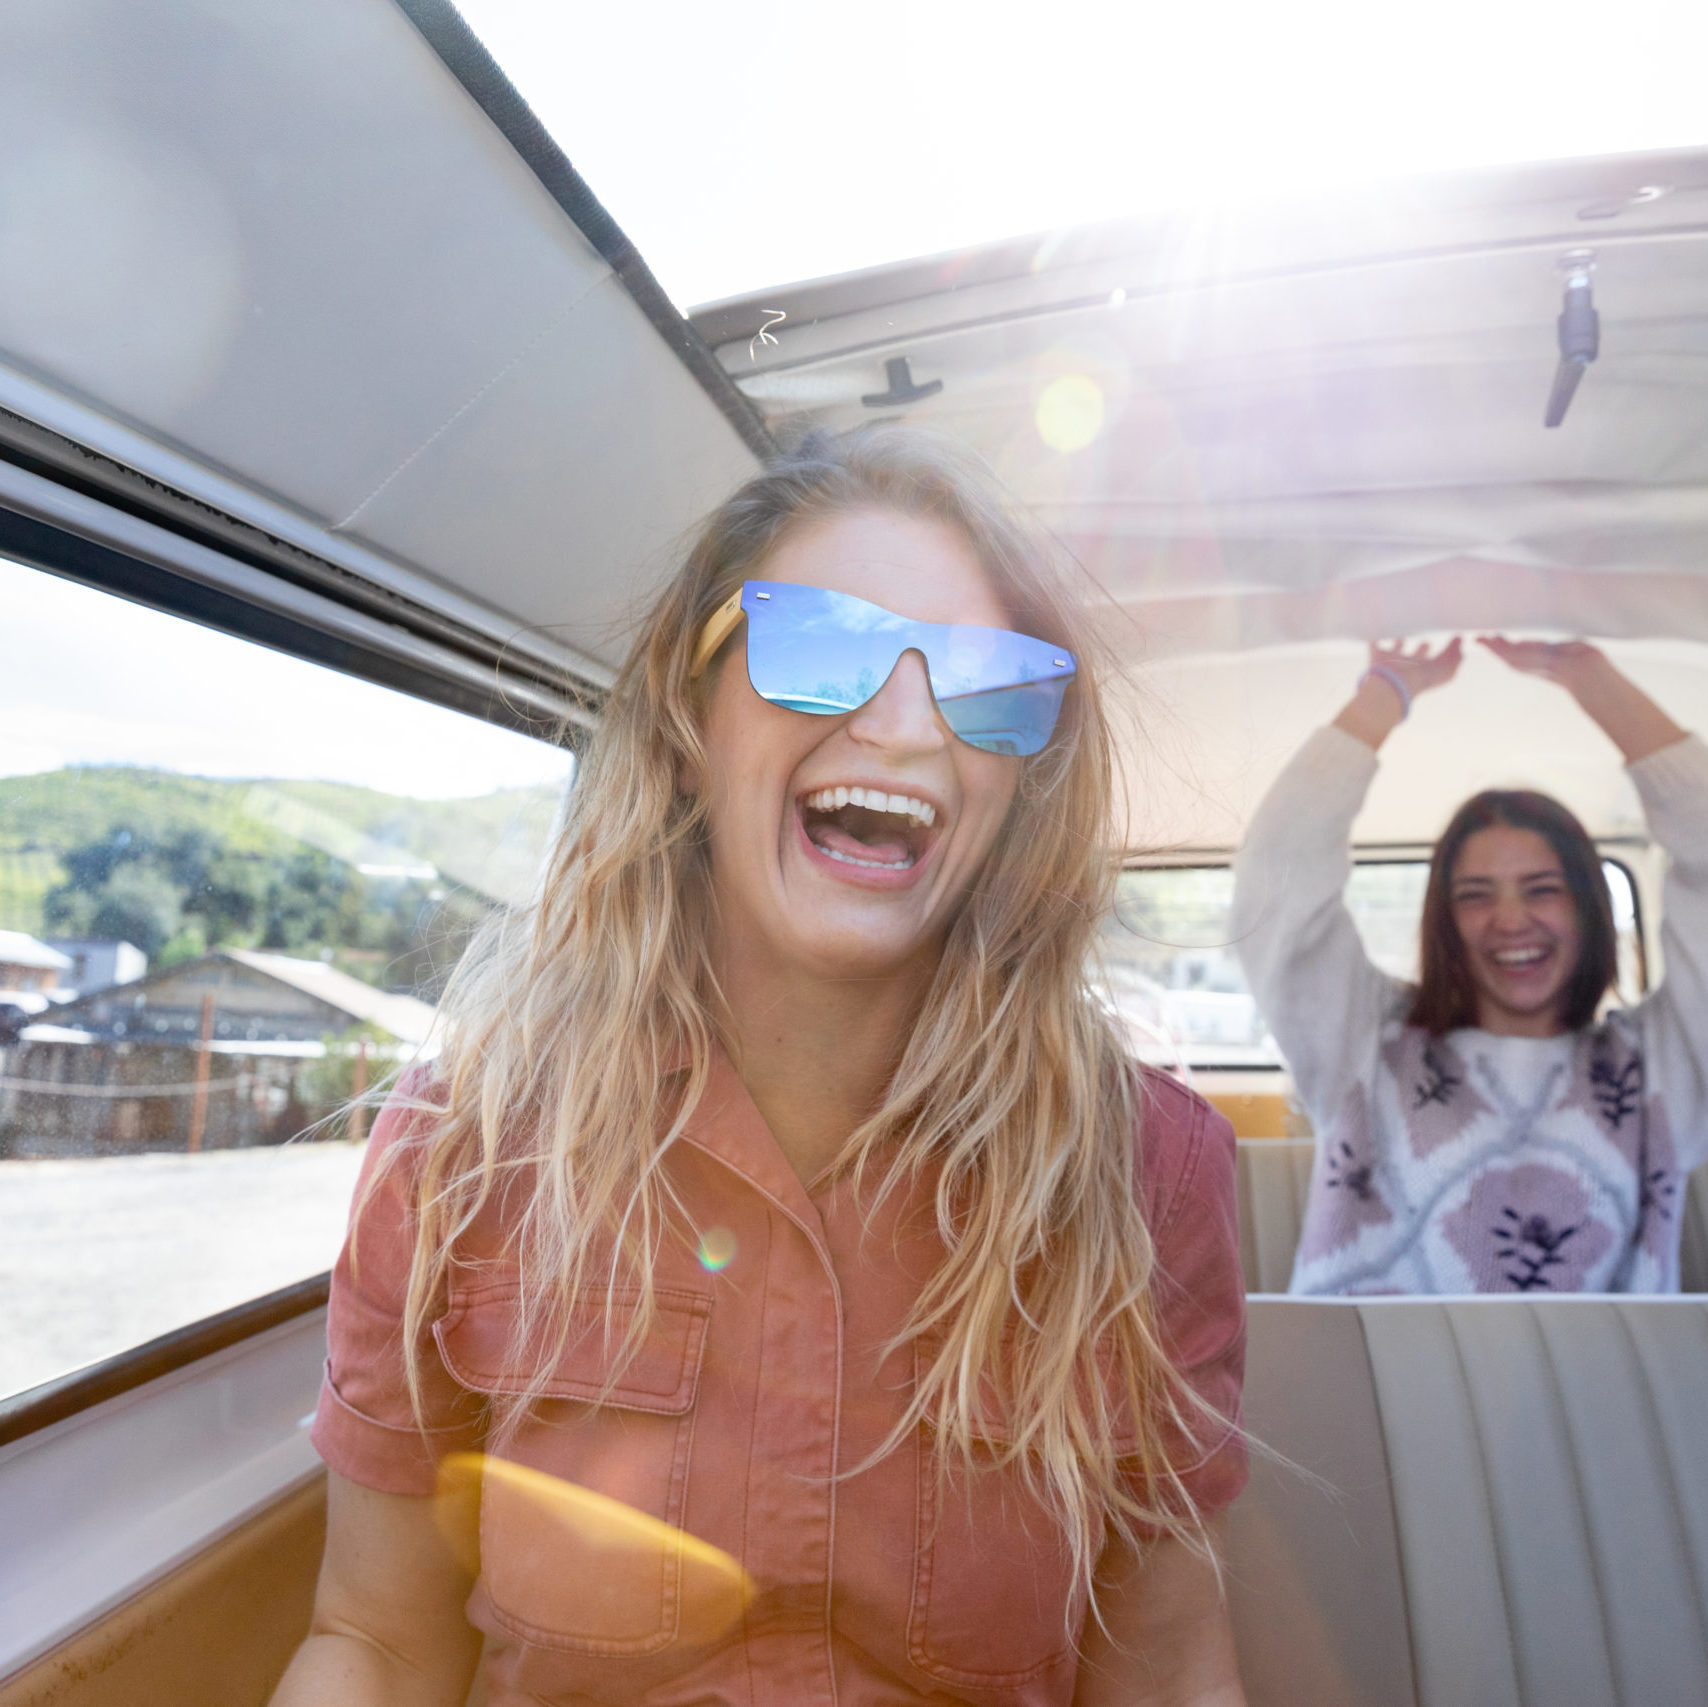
293	269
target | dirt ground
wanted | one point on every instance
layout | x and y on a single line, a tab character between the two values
101	1254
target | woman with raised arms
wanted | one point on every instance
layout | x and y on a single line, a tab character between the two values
782	1251
1488	1129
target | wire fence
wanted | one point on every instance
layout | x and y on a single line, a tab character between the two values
46	1087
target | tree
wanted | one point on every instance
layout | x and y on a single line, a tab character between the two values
139	904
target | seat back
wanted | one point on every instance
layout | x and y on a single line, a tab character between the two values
1274	1174
1271	1176
1693	1234
1512	1507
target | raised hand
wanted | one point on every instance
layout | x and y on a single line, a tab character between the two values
1397	675
1567	662
1419	668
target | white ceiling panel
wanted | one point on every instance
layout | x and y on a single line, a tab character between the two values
278	256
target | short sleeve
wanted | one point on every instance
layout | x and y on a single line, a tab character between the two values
365	1426
1186	1170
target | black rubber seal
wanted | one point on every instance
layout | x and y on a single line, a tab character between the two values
41	545
40	1407
466	58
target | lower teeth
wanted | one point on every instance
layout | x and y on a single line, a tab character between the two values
873	864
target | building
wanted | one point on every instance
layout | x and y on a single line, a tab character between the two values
95	965
277	1038
270	998
28	966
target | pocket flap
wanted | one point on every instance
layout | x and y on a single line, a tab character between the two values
477	1340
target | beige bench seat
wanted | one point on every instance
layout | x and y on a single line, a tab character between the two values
1491	1502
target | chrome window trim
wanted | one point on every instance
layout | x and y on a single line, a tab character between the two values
38	1408
77	514
104	1502
136	452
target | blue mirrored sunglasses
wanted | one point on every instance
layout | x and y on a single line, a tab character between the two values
825	653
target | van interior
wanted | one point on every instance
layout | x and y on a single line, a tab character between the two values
318	339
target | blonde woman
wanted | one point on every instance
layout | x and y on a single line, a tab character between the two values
838	1316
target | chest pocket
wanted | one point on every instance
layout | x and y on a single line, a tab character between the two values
581	1545
995	1604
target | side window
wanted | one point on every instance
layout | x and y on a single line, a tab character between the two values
232	885
1173	975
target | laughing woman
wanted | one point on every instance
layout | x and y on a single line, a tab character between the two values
1485	1130
828	1310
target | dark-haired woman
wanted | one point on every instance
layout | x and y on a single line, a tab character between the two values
1483	1131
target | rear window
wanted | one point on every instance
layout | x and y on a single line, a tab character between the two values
1174	977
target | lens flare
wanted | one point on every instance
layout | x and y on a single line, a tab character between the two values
1070	412
580	1562
717	1249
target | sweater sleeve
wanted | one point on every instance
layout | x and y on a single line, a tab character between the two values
1316	987
1673	786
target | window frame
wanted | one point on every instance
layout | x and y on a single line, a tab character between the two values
1611	850
69	528
34	1408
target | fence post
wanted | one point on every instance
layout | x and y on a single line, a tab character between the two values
199	1107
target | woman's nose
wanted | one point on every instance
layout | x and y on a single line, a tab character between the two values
1510	912
903	713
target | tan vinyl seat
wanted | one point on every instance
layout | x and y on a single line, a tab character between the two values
1273	1175
1512	1508
1693	1235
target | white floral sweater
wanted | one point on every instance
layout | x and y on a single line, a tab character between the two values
1471	1162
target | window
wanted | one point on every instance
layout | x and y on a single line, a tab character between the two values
1174	975
232	885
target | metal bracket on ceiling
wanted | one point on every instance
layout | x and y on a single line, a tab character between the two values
1579	333
902	387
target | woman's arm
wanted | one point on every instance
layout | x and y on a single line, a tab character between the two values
1317	988
388	1628
1671	774
1165	1639
1624	713
1673	785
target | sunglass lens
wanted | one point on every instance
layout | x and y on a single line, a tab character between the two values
1014	720
806	652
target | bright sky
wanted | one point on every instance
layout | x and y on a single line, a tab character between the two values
90	679
744	146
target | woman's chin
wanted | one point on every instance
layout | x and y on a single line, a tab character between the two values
839	932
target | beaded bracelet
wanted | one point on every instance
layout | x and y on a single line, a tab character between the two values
1394	680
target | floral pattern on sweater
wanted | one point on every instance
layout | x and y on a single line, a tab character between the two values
1442	1101
1475	1162
1351	1196
1528	1228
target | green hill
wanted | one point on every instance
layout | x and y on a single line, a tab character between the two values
384	885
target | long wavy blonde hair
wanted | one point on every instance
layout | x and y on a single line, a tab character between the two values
580	1033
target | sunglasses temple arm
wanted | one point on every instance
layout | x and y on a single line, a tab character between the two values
718	629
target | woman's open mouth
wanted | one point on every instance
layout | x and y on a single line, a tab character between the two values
868	828
1520	962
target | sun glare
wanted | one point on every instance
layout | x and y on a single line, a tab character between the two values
743	148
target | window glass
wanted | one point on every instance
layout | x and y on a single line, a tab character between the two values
232	885
1174	976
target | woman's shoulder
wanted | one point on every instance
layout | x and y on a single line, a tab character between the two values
1185	1148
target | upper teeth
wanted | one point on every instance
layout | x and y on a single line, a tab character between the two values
874	800
1519	956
